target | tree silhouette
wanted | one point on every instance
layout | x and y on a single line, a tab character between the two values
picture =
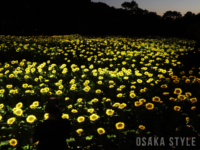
126	5
176	15
145	11
133	6
86	17
189	14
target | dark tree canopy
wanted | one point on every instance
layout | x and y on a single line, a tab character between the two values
59	17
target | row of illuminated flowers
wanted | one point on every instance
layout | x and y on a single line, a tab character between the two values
100	131
93	117
132	94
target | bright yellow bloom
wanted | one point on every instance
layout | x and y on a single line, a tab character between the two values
11	75
142	127
59	92
193	107
18	112
61	87
177	108
9	86
119	95
13	142
1	106
74	111
79	131
193	100
99	82
31	118
187	118
70	106
2	91
81	119
115	104
137	103
36	103
120	125
122	106
149	106
79	100
94	117
66	98
100	131
25	85
156	99
91	110
65	116
11	120
110	112
132	95
98	91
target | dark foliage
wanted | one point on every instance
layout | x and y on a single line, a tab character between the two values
61	17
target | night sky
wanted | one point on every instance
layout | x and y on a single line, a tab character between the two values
160	6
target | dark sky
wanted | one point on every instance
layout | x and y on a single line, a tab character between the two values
160	6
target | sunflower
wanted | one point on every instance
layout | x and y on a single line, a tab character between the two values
91	110
2	91
13	142
11	120
65	116
36	103
79	131
177	91
138	103
121	106
99	82
187	118
18	112
94	117
142	127
149	106
100	131
11	75
193	107
1	106
120	125
79	100
116	104
70	106
193	100
132	95
74	111
98	91
31	118
9	86
119	95
59	92
177	108
110	112
81	119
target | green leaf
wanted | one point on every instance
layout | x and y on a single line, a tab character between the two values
89	137
148	132
132	130
184	114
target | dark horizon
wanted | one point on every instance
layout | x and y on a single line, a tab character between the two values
160	7
86	17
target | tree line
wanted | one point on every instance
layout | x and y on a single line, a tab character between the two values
62	17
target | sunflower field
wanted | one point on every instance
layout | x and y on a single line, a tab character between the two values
111	89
